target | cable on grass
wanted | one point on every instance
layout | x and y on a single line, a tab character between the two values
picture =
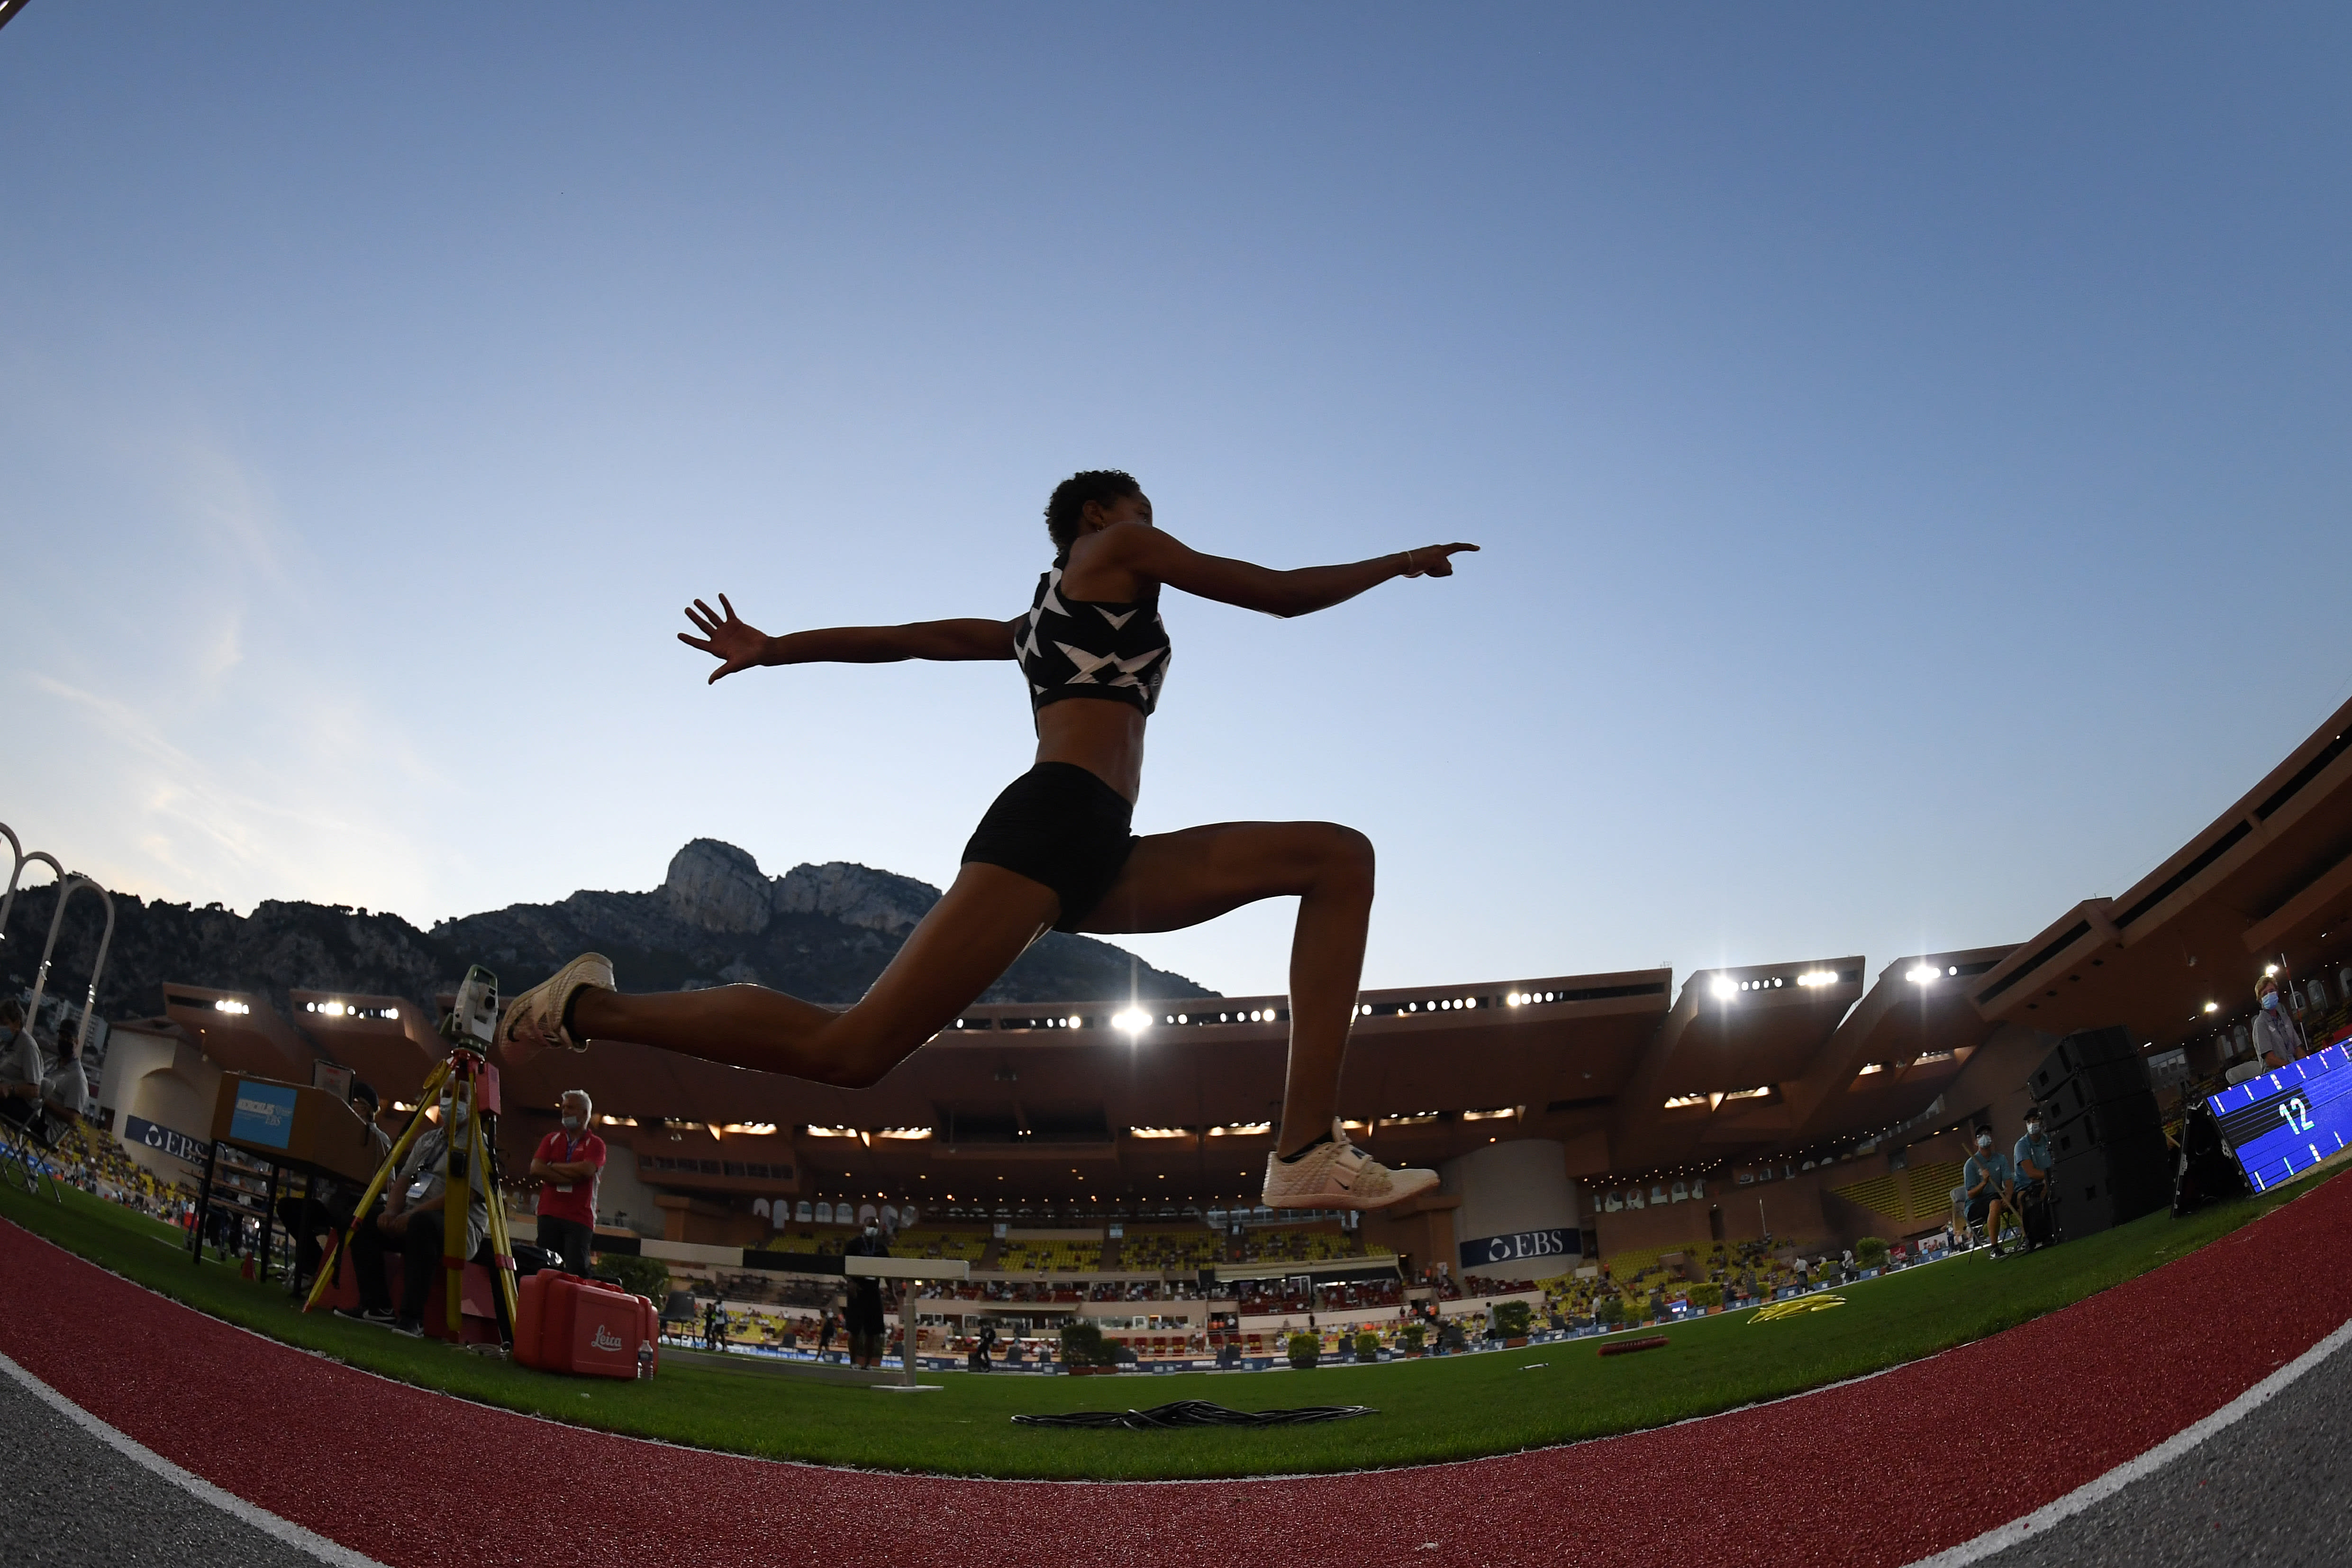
1196	1413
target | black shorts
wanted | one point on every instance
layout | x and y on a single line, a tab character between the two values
1060	825
1981	1205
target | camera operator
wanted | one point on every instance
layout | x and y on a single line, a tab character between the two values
569	1164
1985	1178
863	1316
2031	1169
412	1221
327	1204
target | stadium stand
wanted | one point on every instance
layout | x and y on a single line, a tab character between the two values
1279	1244
1193	1248
1920	1193
1039	1257
970	1246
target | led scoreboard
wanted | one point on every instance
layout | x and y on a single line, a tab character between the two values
2289	1119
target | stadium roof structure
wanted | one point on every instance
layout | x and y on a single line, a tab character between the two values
1175	1102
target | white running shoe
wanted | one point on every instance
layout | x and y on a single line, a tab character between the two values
1337	1174
533	1021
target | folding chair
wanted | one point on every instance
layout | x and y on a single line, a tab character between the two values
27	1135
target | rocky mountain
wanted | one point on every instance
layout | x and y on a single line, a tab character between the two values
821	931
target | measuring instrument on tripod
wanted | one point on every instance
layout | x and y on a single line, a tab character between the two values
469	1159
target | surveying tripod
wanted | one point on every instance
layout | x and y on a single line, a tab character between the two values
469	1028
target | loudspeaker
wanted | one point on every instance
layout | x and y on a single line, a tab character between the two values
2128	1122
2083	1049
2099	1083
2112	1184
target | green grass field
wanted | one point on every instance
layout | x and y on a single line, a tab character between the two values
1431	1409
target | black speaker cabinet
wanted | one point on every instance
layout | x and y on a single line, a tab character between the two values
2112	1185
2085	1049
2099	1083
2128	1122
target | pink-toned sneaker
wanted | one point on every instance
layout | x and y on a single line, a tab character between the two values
533	1021
1337	1174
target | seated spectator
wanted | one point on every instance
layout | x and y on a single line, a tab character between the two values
2277	1040
569	1163
46	1101
1987	1183
2032	1174
20	1066
326	1206
413	1220
65	1088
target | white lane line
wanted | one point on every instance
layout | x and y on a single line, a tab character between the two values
2039	1521
148	1459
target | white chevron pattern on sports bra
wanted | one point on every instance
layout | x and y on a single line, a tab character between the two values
1077	648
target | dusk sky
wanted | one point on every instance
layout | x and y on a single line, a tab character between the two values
1909	443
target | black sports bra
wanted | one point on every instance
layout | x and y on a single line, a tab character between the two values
1076	648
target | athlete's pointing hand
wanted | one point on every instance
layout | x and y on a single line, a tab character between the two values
1432	560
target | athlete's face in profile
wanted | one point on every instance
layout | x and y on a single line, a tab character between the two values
1135	508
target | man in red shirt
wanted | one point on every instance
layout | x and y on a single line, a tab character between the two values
568	1163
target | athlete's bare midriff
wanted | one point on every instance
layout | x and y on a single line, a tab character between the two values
1101	735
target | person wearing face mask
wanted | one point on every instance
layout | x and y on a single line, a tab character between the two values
412	1220
863	1316
2031	1169
1987	1179
2277	1040
569	1163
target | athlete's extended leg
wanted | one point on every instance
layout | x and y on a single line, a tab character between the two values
1175	880
969	937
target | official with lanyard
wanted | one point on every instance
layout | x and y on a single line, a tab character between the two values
569	1163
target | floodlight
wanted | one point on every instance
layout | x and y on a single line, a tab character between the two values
1134	1020
1725	987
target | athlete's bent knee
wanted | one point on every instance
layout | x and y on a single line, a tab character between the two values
1346	851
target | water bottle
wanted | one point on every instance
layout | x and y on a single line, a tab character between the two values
645	1359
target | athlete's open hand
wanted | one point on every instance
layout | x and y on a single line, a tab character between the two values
1432	560
735	643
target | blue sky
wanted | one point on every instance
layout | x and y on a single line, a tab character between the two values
1909	445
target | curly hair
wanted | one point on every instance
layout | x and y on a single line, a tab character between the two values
1069	499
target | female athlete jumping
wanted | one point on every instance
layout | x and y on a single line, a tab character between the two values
1054	853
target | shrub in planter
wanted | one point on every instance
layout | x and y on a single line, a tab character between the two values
1368	1347
647	1277
1304	1350
1870	1252
1511	1320
1611	1311
1413	1337
1083	1345
1704	1296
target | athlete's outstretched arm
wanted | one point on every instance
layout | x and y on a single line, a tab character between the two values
738	644
1151	553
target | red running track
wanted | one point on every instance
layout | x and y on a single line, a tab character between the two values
1801	1479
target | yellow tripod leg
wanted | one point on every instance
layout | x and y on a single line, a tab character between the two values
500	1244
375	1186
454	1203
